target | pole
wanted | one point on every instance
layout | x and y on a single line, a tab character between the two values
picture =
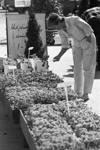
7	31
66	93
64	85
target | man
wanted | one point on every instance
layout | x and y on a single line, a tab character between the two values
92	17
84	49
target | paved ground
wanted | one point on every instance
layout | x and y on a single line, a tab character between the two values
64	68
11	137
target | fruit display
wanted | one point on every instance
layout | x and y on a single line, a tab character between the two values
46	79
86	125
27	88
46	121
45	109
19	95
50	130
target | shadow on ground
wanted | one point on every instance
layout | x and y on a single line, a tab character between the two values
70	72
97	75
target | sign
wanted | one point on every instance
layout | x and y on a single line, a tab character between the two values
22	3
12	67
17	25
16	3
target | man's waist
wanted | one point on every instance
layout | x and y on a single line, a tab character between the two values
82	38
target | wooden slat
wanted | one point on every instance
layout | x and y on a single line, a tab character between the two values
26	132
11	137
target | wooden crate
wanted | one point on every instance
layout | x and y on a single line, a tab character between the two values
13	114
1	65
26	132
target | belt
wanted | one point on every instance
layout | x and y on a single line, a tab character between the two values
85	37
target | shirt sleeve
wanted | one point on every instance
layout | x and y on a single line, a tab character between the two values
83	26
64	39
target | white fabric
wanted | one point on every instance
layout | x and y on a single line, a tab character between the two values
84	53
64	39
77	28
84	67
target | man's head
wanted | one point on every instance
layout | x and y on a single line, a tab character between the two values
54	21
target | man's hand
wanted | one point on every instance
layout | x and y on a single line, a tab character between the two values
61	53
57	58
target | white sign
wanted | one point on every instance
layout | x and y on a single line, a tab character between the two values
22	3
17	25
12	67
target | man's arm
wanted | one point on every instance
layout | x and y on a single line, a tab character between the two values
61	53
64	43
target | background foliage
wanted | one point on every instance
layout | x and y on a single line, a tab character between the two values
48	6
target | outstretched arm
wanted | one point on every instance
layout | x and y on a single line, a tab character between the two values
65	45
61	53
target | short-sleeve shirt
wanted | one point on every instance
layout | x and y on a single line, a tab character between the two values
76	28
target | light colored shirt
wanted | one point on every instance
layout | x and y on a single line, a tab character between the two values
76	28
